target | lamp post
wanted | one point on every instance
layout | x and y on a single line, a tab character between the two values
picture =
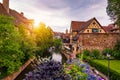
108	56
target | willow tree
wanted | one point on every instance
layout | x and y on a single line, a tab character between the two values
113	10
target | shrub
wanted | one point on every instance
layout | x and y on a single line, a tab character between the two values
116	54
113	74
10	53
86	52
75	71
107	50
95	54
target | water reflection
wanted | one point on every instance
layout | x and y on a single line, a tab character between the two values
57	57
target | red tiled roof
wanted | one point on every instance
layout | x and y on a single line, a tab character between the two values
76	25
87	23
110	28
106	28
81	25
19	18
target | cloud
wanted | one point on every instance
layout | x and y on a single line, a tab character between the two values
59	13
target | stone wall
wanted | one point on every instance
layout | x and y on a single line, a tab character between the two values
98	41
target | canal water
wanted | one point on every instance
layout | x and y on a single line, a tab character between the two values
55	56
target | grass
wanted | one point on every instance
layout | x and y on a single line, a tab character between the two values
114	64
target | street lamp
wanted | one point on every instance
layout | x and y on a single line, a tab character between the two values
108	56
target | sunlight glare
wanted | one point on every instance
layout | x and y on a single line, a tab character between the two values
36	23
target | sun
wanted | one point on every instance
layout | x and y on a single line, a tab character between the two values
36	23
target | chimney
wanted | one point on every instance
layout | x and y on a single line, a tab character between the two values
22	13
66	31
6	5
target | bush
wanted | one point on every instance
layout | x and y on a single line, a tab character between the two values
113	74
86	52
10	53
75	71
95	54
116	54
107	50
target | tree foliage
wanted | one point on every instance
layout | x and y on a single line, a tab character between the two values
116	50
44	37
113	10
27	41
58	44
10	54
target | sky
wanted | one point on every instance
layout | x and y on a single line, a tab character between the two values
58	14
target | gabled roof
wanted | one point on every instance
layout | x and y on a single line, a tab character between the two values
81	25
89	22
76	25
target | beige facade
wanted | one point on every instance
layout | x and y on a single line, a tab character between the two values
94	25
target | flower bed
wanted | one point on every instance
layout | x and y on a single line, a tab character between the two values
81	71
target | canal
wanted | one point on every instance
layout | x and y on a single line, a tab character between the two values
30	67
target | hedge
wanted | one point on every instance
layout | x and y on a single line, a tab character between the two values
113	74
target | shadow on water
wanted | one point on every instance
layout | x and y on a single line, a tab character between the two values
29	68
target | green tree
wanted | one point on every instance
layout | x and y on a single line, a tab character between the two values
113	10
10	53
44	38
116	50
28	45
58	44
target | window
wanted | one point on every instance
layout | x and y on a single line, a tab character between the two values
93	23
95	30
87	30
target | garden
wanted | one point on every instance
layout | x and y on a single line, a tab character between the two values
104	63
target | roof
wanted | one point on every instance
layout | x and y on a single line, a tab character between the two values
110	28
81	25
107	28
77	25
19	18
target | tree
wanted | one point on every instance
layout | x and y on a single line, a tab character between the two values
28	45
44	38
10	53
58	44
113	10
